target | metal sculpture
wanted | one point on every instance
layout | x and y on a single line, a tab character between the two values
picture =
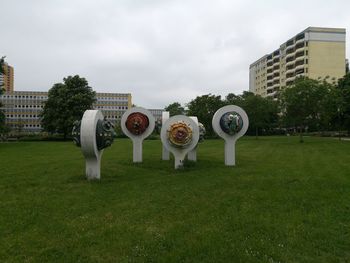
180	135
230	123
137	123
202	131
93	134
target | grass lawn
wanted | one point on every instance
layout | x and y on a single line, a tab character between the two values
283	202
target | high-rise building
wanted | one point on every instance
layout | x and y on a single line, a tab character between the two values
316	52
6	79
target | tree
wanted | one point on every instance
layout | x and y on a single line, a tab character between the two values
344	106
66	103
262	112
175	108
232	99
3	127
303	103
204	107
2	72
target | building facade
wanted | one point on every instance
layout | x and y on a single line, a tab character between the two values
316	52
7	79
22	108
157	113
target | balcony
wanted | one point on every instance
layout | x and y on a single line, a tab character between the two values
290	55
289	63
299	72
276	85
290	71
290	79
299	50
269	89
299	41
269	74
301	66
272	94
299	58
290	43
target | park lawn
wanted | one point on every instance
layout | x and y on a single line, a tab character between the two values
283	202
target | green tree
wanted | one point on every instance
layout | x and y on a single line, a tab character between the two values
2	63
175	108
66	103
3	128
262	112
344	105
303	104
204	107
232	99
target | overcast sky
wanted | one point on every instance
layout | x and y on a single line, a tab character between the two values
160	51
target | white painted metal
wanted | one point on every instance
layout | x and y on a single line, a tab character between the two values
230	140
137	140
88	143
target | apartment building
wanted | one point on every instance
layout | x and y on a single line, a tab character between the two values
316	52
22	108
7	79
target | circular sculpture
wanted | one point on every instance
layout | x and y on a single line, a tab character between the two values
104	134
231	122
202	132
137	123
179	134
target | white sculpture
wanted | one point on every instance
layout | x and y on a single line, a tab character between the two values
230	123
165	152
89	144
180	135
137	123
192	155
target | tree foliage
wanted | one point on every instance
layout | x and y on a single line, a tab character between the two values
204	107
343	88
262	112
175	108
66	103
3	128
309	103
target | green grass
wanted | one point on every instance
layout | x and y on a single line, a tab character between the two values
283	202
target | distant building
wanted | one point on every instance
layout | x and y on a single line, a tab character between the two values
22	108
157	113
316	52
6	80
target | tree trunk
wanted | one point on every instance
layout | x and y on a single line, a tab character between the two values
256	133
